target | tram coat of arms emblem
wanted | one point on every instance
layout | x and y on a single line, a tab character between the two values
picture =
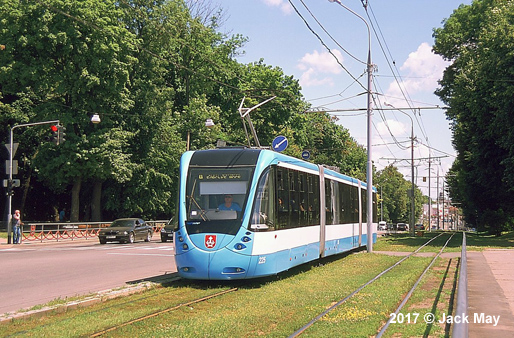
210	241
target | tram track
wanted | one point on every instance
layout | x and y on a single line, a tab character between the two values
160	312
411	291
276	306
372	280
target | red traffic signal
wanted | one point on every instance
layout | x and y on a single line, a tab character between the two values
54	136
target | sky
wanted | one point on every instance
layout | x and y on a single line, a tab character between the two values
325	46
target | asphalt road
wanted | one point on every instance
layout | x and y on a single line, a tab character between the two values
34	274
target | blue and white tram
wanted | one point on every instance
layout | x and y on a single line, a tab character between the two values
289	212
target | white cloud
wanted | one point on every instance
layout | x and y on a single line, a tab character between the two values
309	79
396	127
421	72
284	6
316	66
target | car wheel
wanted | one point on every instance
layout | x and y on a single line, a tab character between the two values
164	240
149	236
131	238
102	241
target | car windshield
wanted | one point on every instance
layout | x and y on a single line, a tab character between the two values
215	199
122	223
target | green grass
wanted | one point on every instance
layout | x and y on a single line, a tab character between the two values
280	305
405	242
273	307
474	242
481	241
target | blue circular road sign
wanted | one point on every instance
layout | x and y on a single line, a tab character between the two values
279	143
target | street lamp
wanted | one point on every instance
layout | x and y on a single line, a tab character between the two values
369	166
412	219
209	123
96	118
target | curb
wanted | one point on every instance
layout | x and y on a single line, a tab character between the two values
99	297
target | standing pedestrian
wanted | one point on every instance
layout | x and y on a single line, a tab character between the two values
62	215
16	235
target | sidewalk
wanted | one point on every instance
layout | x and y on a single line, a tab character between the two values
491	293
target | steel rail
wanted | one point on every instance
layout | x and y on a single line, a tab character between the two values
404	301
317	318
199	300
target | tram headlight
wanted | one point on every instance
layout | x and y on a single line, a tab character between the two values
185	246
240	246
180	239
246	239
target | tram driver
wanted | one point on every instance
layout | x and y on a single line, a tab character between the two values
229	204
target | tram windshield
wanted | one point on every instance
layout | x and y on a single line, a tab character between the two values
215	199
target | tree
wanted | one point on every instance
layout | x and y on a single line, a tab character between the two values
71	59
396	204
478	39
328	143
154	72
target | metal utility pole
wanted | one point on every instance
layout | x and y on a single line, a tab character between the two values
443	205
369	166
412	218
413	208
437	196
429	198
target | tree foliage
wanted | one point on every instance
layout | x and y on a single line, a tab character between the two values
154	71
478	39
395	203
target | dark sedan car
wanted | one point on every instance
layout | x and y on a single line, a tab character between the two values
167	232
126	230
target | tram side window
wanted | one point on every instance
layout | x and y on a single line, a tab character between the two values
283	198
333	202
298	205
314	199
350	203
303	201
375	207
329	207
294	199
263	216
364	205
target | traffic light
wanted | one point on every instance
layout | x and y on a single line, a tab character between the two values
54	135
61	133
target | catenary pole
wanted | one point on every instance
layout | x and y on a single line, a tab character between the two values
369	165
